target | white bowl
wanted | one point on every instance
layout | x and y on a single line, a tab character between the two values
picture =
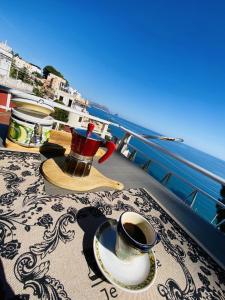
37	105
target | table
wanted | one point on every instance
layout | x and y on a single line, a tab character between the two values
46	241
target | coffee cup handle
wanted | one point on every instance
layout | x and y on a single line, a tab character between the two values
110	149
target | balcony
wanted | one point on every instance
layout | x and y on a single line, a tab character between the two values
191	242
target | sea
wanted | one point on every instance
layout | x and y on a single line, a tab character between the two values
162	164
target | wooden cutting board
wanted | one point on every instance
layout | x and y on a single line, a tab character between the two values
52	170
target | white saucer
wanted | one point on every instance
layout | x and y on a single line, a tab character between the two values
135	276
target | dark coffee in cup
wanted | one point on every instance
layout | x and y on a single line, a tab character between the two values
135	233
135	236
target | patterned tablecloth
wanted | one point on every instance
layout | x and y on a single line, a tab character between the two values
46	242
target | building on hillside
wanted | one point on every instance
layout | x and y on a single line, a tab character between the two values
71	100
57	86
5	59
73	91
55	82
21	63
35	69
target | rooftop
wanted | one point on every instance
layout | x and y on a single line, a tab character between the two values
5	47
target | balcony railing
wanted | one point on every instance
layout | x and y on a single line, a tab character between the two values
199	200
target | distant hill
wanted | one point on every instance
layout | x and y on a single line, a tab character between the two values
99	106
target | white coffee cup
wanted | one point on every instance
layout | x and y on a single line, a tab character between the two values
135	236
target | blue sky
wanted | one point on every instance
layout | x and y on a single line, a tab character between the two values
157	63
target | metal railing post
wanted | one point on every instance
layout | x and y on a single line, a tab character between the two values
146	166
132	156
214	219
104	130
166	178
194	197
124	142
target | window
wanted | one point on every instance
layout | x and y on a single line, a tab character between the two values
70	103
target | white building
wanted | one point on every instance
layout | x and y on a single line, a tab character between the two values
34	68
20	63
68	95
72	91
5	59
